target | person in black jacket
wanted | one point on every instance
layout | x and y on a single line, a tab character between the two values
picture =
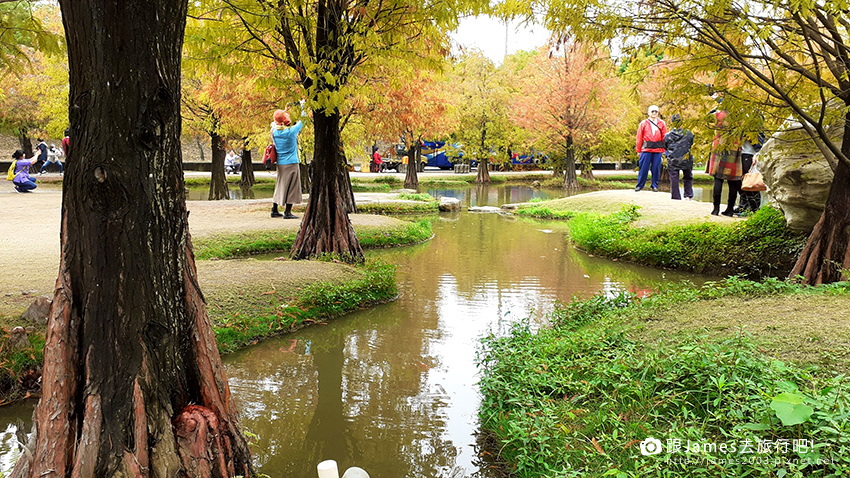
677	144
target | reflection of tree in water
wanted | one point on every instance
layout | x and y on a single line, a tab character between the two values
365	390
247	190
357	396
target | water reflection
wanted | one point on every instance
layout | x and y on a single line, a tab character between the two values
490	195
392	389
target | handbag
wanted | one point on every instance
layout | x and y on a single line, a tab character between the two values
269	157
753	181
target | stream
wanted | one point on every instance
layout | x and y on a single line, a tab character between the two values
392	389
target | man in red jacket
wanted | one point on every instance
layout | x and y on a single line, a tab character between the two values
649	146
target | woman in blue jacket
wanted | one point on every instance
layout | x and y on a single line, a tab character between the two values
287	187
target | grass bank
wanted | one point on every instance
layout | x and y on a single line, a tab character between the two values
277	311
759	246
597	391
264	242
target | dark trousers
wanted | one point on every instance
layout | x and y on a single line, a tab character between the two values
27	186
649	162
734	187
750	200
687	180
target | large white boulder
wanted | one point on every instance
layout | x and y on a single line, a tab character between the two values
448	204
797	175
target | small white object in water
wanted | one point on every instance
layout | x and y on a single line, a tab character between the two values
355	472
328	469
545	231
586	276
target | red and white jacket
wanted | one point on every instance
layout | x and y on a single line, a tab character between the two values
650	136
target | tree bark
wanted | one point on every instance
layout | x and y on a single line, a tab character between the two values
26	142
326	227
483	176
133	384
411	178
570	179
247	179
587	167
826	255
200	149
346	191
218	177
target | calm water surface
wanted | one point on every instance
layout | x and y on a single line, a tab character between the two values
392	389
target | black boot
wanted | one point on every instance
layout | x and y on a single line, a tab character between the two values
275	212
287	214
716	193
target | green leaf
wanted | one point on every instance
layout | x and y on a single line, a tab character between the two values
789	408
755	426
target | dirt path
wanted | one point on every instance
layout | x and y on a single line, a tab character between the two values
655	208
29	244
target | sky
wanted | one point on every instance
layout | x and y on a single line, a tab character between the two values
488	35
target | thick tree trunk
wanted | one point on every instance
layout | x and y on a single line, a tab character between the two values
587	167
247	180
411	178
200	149
483	176
346	191
132	385
26	142
218	177
570	179
326	227
826	255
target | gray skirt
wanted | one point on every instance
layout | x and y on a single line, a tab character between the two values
287	186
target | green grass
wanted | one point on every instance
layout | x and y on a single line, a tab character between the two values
18	366
410	233
313	304
264	242
579	398
359	187
231	179
417	197
543	212
759	246
398	208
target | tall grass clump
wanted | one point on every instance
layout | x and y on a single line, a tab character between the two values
760	246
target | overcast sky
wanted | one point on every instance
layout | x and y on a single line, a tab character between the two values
488	35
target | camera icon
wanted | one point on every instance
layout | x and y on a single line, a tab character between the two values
650	446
